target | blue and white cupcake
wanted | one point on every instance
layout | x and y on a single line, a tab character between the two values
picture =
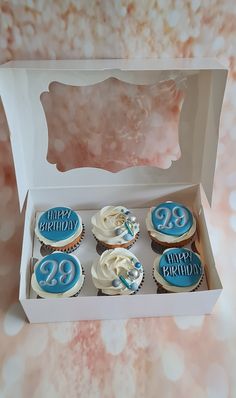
171	224
178	270
58	275
115	226
60	228
117	272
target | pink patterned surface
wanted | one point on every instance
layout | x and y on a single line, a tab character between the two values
106	125
170	357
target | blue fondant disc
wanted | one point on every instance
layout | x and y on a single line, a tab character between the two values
171	218
180	267
57	272
58	224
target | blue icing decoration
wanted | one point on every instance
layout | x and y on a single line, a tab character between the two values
129	227
180	267
171	218
57	272
130	286
58	224
124	281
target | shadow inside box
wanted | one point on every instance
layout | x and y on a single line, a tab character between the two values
100	248
160	249
46	250
157	248
194	247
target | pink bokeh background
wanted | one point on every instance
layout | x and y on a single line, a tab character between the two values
113	125
170	357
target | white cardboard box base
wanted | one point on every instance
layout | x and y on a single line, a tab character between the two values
138	187
146	303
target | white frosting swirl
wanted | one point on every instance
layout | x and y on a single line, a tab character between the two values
109	225
167	286
60	243
164	237
112	264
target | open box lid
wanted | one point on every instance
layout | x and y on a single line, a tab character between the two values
22	83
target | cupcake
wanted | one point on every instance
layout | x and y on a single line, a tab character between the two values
170	224
115	226
60	228
117	272
57	275
178	270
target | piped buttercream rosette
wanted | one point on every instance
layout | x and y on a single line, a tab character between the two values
115	226
117	272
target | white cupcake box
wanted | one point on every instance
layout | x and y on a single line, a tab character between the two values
41	185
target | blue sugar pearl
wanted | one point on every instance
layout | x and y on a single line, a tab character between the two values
127	212
134	286
138	265
116	282
128	237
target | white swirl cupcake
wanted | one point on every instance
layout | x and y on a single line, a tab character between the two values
117	272
115	226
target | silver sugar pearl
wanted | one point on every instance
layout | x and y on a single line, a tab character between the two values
132	218
133	273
